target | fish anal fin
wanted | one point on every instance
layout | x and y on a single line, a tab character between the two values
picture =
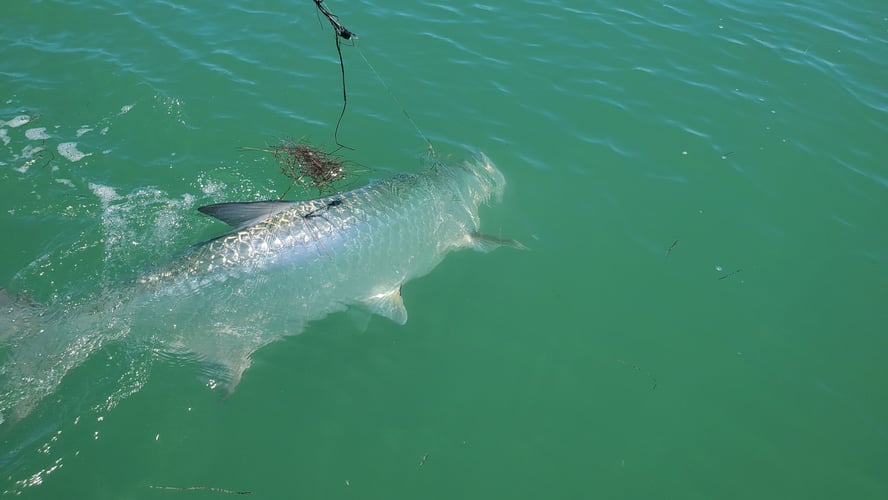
388	304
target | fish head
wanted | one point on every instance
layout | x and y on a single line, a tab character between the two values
490	179
477	182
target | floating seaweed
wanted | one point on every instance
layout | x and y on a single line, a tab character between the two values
308	166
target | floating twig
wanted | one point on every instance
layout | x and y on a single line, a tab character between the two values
671	247
730	274
201	488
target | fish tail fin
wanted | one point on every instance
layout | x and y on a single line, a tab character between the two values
41	343
486	243
29	370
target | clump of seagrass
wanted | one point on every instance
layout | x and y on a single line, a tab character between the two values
308	166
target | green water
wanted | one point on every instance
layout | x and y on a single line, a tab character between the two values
747	361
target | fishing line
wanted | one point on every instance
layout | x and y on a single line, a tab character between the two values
397	101
344	96
340	33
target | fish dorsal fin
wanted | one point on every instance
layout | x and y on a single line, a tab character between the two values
388	304
245	213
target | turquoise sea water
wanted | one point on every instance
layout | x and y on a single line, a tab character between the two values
703	189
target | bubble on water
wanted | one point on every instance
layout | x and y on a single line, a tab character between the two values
718	268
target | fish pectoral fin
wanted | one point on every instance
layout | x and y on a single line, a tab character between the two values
242	214
388	304
486	243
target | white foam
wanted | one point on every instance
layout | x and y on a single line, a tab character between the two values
106	194
211	188
36	134
30	151
84	129
66	182
18	121
4	136
69	151
126	109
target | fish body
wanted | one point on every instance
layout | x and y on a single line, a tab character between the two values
284	264
358	244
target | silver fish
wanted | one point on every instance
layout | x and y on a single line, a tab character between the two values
284	264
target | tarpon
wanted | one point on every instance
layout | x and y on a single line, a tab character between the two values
283	264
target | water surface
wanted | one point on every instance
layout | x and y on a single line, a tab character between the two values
702	189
